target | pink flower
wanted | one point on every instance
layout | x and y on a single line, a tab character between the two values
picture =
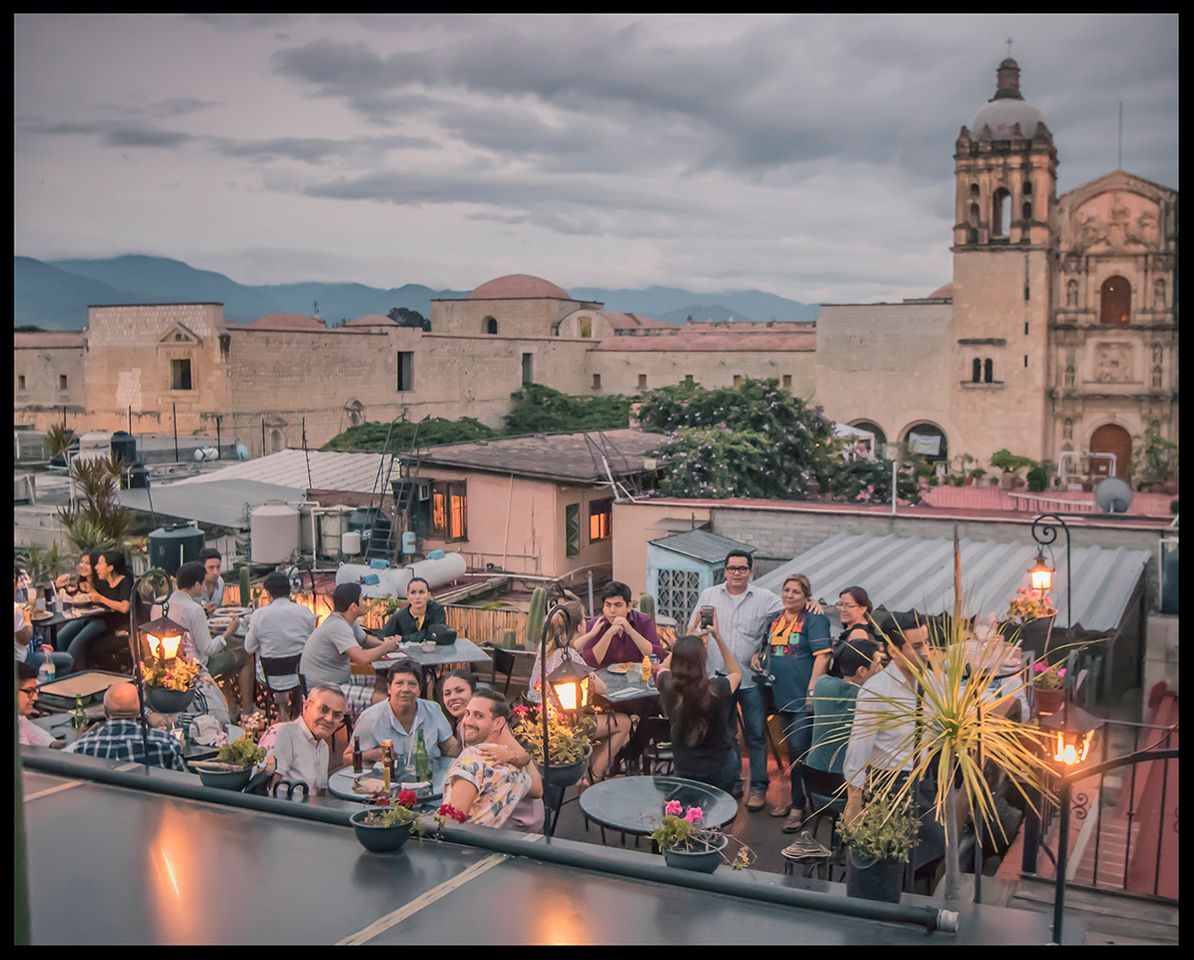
674	808
1039	667
694	815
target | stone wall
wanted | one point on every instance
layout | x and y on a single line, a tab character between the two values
39	368
620	370
515	318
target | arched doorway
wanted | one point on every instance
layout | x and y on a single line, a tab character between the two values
356	412
871	427
926	440
1112	438
1115	305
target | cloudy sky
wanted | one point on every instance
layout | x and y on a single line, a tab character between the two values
808	156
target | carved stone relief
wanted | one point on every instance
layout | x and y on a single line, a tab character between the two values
1113	362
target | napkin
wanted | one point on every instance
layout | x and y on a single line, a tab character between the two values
207	731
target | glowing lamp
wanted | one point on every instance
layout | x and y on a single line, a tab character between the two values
570	683
1071	731
163	636
1041	575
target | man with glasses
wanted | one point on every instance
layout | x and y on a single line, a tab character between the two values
28	732
299	751
743	612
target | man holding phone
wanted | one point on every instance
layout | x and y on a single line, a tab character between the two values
743	611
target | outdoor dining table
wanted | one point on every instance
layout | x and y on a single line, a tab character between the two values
634	805
340	782
461	651
49	626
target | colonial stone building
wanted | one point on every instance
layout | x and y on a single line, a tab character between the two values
1059	330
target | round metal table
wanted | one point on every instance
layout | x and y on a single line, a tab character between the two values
340	782
634	805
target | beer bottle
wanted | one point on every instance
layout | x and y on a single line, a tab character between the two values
387	763
358	760
78	718
422	761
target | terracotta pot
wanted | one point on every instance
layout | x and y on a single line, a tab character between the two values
1047	702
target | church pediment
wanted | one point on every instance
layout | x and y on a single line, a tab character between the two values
180	334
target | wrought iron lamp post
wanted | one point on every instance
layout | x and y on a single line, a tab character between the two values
1044	533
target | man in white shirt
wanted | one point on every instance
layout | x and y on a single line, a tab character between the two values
299	751
279	630
212	594
339	641
884	723
28	732
400	718
198	643
743	612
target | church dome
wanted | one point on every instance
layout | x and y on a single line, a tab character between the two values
1007	108
519	286
944	292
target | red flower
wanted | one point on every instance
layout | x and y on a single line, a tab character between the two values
408	798
381	799
521	711
451	813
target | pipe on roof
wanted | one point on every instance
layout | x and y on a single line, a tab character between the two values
598	859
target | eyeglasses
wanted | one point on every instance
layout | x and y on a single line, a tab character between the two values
28	691
328	711
737	569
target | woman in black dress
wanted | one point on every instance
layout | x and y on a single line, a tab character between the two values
854	610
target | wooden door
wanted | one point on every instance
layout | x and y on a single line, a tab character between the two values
1111	438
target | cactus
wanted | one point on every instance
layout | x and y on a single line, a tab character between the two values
509	640
535	617
246	596
646	603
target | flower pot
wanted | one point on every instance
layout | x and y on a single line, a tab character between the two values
566	776
699	860
378	839
1169	487
874	879
235	780
169	701
1047	701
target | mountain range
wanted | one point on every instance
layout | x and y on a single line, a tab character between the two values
55	294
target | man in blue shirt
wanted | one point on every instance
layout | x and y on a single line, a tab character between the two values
400	717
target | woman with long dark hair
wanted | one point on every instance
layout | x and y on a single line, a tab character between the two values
112	589
854	610
699	710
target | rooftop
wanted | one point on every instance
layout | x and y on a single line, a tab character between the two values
702	545
566	457
341	472
519	286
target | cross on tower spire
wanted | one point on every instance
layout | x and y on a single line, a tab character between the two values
1009	42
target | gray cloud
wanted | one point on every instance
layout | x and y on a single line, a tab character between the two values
317	149
179	106
114	134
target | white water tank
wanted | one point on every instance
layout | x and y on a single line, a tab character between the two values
350	543
331	522
273	532
392	581
96	445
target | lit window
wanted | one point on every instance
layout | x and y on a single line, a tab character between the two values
449	510
601	520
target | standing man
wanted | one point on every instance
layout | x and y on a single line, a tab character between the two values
743	612
299	751
198	643
279	630
400	718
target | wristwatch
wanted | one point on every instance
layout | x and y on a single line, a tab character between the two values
811	691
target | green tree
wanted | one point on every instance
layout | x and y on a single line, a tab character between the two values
540	409
408	318
371	437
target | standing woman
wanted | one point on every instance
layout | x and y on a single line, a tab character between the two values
699	709
854	610
112	589
796	653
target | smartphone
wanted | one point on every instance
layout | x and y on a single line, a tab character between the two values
706	616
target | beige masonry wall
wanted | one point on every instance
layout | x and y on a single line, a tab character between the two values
620	370
515	318
36	379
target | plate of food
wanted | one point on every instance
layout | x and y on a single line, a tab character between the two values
79	600
231	611
620	667
367	784
219	621
38	616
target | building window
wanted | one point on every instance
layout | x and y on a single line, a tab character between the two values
688	378
1026	360
787	381
180	374
405	370
988	370
596	381
976	371
449	510
572	530
1027	188
528	370
21	381
1001	211
586	326
642	381
1026	211
491	326
62	381
1159	294
974	190
601	520
1116	301
679	591
1071	293
737	380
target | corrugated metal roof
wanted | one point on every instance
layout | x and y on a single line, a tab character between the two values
351	472
905	572
702	545
222	502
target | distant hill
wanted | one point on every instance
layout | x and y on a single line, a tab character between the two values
56	294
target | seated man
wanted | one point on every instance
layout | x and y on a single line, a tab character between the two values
232	658
339	641
400	717
279	630
298	751
621	634
198	643
486	792
29	733
120	736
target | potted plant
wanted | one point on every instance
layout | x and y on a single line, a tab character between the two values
385	825
880	839
170	684
1010	463
571	743
1048	682
687	844
233	766
975	475
1030	621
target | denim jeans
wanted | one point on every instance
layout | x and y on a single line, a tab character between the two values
78	636
750	699
798	735
63	662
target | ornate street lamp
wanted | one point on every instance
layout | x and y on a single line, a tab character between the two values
163	637
1040	575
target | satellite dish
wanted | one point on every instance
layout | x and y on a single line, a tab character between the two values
1113	495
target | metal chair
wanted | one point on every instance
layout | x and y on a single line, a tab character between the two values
820	787
280	667
503	662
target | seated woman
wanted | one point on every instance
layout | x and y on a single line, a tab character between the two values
853	663
111	589
612	729
78	582
411	622
699	709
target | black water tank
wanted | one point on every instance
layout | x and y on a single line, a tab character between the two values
138	477
173	545
124	445
1169	592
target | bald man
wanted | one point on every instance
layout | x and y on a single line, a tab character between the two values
119	736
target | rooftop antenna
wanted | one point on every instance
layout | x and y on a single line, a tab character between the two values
1119	165
1009	43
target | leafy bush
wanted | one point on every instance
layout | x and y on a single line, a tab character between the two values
371	437
540	409
884	830
1156	460
243	751
1010	462
1038	478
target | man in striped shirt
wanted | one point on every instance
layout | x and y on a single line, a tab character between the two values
119	737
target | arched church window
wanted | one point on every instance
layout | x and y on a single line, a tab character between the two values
1115	301
1158	376
1027	188
491	326
988	370
1026	210
1001	212
1071	293
1159	294
976	371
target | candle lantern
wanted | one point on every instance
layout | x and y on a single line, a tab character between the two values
1041	575
570	683
1071	732
163	637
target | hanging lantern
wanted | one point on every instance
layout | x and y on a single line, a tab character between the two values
570	683
163	636
1071	732
1041	575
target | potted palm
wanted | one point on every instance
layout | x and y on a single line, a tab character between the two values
170	684
880	839
570	742
687	844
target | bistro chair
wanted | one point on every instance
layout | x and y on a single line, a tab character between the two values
821	789
280	667
503	662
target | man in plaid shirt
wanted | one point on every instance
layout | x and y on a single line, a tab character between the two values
119	737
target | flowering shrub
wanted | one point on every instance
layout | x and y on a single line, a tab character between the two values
1045	677
884	830
177	674
682	830
569	739
1027	605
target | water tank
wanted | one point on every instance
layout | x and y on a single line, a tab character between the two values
124	445
173	545
350	543
138	477
273	532
332	525
1169	591
392	581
